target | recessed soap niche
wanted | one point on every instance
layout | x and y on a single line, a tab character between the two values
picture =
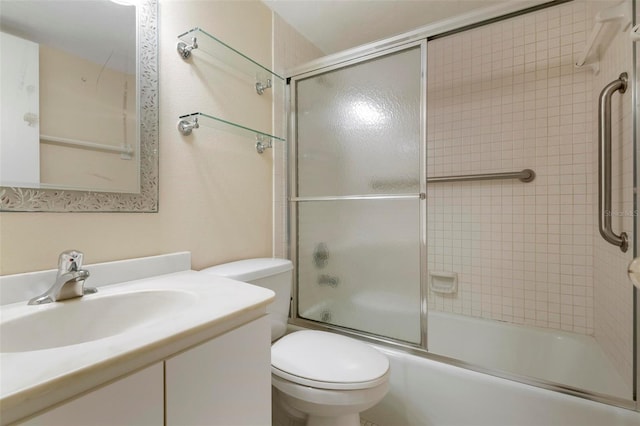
443	282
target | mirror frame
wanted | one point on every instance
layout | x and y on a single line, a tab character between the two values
16	199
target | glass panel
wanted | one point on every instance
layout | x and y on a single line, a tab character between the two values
520	281
69	96
359	265
239	61
359	128
227	126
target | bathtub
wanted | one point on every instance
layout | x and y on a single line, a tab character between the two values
550	355
425	391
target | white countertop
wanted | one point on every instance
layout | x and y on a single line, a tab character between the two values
36	380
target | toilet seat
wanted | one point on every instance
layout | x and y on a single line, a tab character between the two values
328	361
329	385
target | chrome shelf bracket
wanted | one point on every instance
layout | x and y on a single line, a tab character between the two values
262	143
184	49
261	87
185	127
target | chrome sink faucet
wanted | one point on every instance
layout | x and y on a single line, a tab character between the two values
69	281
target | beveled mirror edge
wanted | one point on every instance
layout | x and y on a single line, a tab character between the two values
15	199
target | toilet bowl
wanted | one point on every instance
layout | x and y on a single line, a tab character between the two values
327	377
321	377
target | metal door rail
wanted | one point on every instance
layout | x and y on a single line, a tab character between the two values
420	196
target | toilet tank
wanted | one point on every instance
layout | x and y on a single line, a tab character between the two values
271	273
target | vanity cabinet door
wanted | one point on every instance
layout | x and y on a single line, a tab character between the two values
135	400
226	381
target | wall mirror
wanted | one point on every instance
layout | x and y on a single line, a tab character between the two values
79	124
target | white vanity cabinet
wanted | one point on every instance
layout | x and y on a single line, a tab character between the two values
171	346
223	382
135	400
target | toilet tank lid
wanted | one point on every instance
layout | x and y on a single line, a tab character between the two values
251	269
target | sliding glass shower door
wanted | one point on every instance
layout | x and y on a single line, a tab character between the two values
357	204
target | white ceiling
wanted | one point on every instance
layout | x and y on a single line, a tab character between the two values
336	25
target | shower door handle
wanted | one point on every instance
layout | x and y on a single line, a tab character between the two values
604	163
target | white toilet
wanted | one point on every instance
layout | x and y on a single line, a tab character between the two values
325	378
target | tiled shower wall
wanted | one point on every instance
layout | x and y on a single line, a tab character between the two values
502	98
290	49
505	97
613	292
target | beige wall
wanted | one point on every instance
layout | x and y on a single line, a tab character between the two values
215	190
290	49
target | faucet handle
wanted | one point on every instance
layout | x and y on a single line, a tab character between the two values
69	260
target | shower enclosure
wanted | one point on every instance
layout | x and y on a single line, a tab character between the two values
444	198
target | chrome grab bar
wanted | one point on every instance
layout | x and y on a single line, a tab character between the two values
526	175
604	163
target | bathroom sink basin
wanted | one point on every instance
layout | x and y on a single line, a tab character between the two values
89	318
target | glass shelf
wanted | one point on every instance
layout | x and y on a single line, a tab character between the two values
192	121
229	55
